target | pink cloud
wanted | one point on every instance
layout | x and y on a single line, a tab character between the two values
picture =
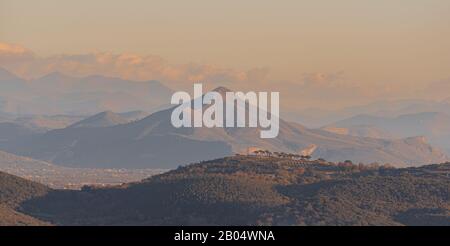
26	64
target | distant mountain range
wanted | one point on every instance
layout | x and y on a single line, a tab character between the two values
79	136
13	129
57	93
360	131
244	190
43	123
109	118
316	117
153	142
433	125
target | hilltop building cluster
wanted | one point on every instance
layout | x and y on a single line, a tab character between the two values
267	153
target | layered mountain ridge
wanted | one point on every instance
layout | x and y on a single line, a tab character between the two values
154	142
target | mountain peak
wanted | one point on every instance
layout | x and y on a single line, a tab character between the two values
221	89
103	119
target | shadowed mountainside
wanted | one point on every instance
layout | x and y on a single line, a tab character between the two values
13	191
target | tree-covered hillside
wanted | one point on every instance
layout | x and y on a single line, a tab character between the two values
260	190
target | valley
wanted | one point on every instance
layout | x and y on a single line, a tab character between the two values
59	177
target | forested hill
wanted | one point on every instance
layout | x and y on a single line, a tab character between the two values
251	190
13	191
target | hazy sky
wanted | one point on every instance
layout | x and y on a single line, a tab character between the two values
387	44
